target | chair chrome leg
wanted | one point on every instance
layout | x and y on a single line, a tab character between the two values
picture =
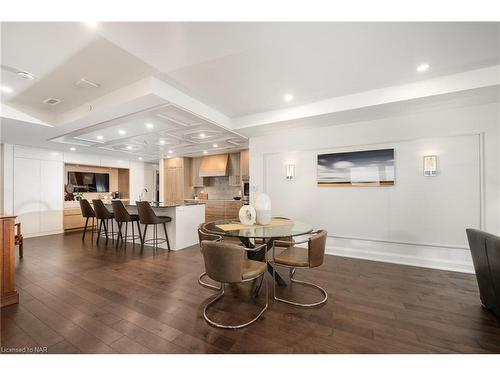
206	285
314	304
219	296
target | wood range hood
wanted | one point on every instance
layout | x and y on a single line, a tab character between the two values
214	166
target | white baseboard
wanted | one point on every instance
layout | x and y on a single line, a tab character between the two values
41	234
443	258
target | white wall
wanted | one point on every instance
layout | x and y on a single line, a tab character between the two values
420	220
136	182
150	170
33	184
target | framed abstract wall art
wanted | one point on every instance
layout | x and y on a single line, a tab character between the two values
356	168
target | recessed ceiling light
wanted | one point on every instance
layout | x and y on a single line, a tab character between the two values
100	137
202	135
149	125
129	147
162	142
205	152
288	97
423	67
122	132
6	89
215	145
168	156
91	24
139	158
72	149
170	152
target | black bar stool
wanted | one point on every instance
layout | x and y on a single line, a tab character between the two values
147	216
87	213
122	216
103	214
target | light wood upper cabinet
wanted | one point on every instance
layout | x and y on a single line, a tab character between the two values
196	180
234	169
177	179
244	164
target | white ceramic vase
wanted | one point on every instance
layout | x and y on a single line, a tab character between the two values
247	215
263	209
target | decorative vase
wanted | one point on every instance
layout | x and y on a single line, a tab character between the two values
247	215
263	209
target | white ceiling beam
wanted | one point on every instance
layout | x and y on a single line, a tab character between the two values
11	113
437	86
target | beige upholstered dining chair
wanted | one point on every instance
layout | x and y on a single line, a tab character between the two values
294	257
226	262
203	236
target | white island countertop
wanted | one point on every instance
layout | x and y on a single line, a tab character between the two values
182	230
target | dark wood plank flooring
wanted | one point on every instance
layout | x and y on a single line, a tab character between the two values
81	298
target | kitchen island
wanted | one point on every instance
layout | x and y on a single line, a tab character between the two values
182	230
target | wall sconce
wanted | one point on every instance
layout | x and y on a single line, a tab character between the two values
430	165
290	172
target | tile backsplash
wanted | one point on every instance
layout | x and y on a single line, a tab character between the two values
218	188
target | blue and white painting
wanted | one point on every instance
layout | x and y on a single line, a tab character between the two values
358	168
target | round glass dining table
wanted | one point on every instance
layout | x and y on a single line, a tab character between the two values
278	228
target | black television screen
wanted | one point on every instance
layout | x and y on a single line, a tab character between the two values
88	182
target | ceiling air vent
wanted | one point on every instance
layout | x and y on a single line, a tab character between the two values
87	84
52	101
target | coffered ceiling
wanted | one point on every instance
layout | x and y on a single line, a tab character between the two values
161	132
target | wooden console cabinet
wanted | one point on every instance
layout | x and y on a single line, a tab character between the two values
9	294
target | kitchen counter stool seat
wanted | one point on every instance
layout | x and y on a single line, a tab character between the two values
88	213
123	216
103	216
147	217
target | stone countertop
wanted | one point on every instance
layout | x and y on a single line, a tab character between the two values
162	204
213	200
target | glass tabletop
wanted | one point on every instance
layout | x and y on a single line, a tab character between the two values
279	227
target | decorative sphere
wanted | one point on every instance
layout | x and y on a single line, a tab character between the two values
247	215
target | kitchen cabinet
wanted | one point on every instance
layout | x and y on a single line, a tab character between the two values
232	209
196	180
244	164
73	219
234	169
38	195
214	210
177	179
221	209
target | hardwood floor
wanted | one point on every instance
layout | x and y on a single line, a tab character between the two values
81	298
